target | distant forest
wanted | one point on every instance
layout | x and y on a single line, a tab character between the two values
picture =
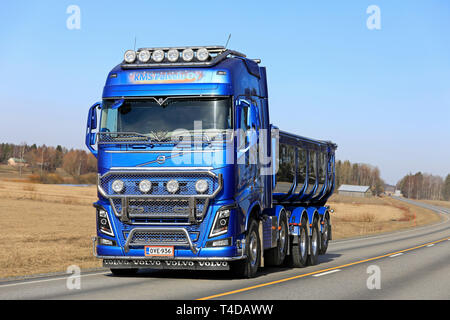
44	161
425	186
359	174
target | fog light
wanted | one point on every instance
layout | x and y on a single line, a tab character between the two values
219	243
106	242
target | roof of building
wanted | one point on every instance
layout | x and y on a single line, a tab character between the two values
351	188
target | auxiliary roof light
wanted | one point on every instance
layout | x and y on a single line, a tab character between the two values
188	54
129	56
202	54
117	186
145	186
158	55
144	56
173	55
172	186
201	186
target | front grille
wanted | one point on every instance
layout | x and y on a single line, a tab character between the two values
161	210
158	238
140	237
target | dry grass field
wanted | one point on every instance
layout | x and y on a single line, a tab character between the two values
444	204
354	217
46	228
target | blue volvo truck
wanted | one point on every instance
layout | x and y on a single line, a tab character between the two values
192	174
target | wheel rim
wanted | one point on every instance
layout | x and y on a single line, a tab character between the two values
325	231
303	242
314	241
253	246
282	237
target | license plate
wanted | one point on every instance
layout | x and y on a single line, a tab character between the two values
158	251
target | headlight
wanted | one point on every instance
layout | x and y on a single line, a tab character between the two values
117	186
172	186
202	54
129	56
221	222
188	54
201	186
173	55
144	56
158	55
145	186
104	225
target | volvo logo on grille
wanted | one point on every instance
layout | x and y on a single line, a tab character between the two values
161	159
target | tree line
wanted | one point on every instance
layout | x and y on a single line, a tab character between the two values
46	159
425	186
359	174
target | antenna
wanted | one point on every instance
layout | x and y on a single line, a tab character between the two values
228	40
134	43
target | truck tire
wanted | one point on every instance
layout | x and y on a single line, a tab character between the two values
314	244
325	235
276	256
124	272
299	251
248	267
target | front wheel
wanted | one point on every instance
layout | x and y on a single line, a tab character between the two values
248	267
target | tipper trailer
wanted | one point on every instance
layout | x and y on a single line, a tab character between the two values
192	175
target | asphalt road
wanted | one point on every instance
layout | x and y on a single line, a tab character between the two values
409	264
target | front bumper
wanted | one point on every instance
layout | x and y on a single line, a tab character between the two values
203	259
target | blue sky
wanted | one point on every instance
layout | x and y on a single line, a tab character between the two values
382	95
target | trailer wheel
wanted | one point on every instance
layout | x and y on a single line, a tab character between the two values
276	256
314	244
325	235
248	267
124	272
299	252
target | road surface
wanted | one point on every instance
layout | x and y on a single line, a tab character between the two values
408	264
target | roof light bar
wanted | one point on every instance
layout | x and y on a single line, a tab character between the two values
178	56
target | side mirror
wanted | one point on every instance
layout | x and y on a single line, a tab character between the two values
92	125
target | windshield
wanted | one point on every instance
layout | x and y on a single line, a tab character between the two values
147	117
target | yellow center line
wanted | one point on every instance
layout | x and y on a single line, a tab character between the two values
315	272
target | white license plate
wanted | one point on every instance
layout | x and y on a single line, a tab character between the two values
158	251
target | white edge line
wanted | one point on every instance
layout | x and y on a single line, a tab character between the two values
396	255
46	280
325	273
